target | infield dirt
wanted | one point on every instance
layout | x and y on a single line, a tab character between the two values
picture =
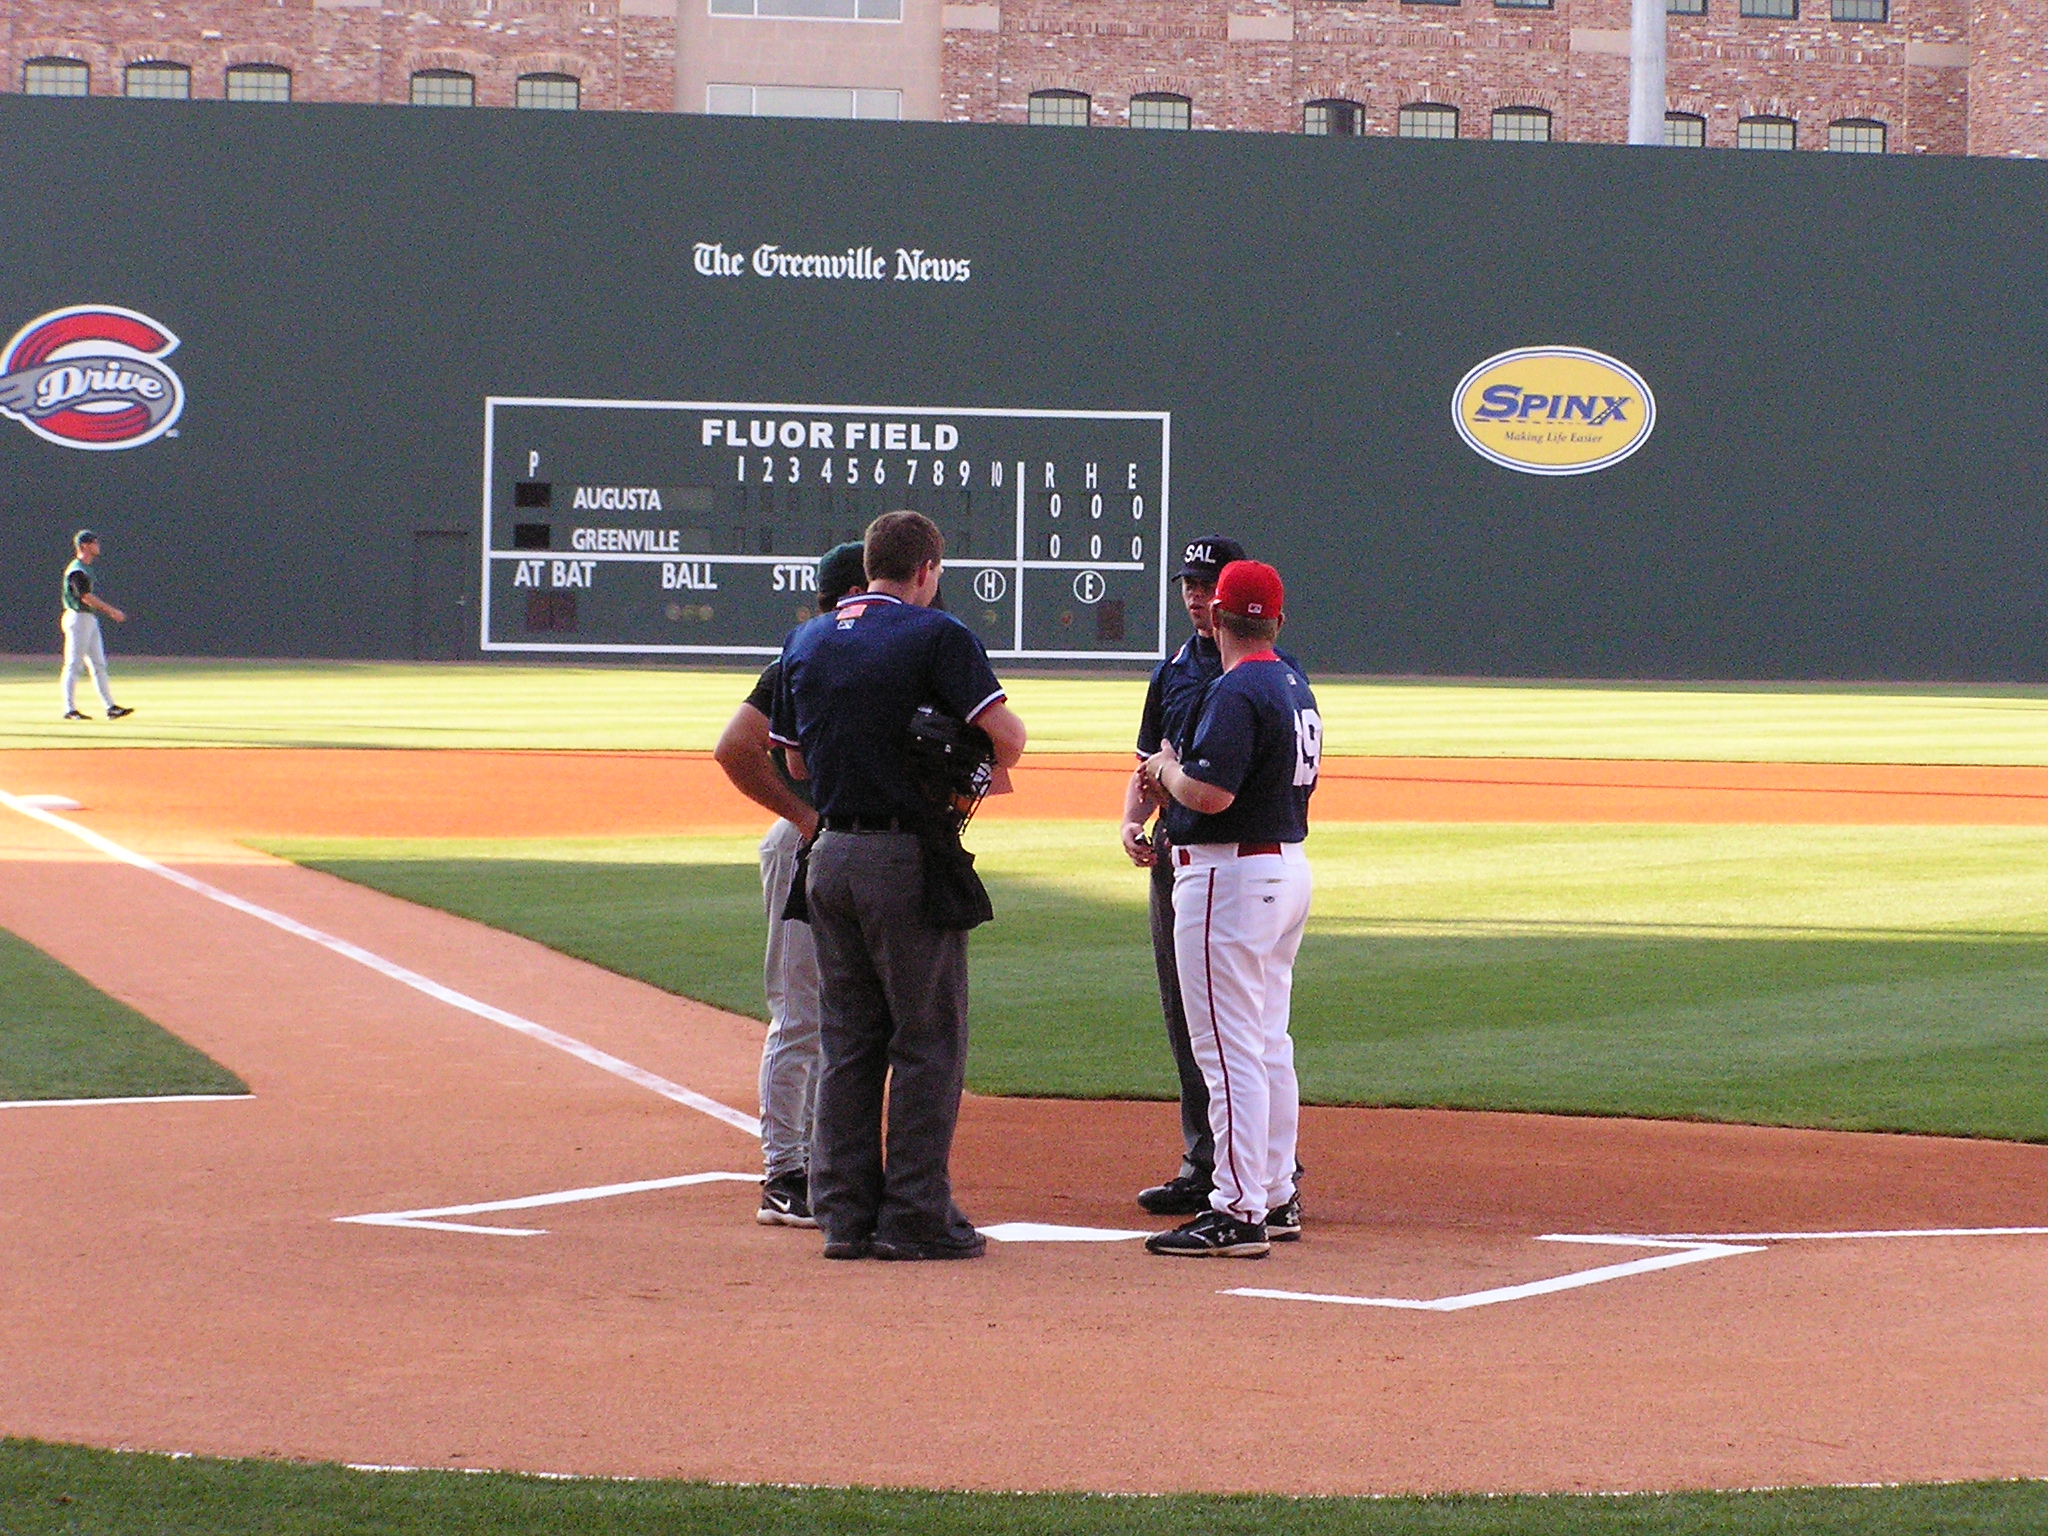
177	1279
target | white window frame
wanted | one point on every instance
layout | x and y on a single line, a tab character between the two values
863	102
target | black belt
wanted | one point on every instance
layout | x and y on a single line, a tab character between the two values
865	824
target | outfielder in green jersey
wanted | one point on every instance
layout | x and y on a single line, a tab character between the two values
83	649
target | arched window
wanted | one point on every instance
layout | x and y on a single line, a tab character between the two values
160	81
259	82
550	93
1766	133
1685	130
1334	118
1856	136
1522	125
1058	109
1158	109
1427	120
443	88
56	77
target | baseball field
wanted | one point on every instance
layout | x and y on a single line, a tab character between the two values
377	1045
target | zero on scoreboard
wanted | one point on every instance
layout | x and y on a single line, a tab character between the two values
694	527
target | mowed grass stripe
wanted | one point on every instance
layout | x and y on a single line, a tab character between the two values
1860	978
583	708
52	1490
62	1038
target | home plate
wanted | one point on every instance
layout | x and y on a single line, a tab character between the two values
50	802
1041	1232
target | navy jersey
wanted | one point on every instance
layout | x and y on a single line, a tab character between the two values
763	699
1175	694
1259	736
851	681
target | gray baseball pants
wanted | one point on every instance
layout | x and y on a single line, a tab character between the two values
894	1006
84	651
789	979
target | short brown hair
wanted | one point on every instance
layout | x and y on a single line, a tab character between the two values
898	543
1247	628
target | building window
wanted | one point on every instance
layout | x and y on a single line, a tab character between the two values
812	10
1427	120
1058	109
557	93
802	101
1772	10
1765	133
1429	2
55	77
1856	136
443	88
160	82
1685	7
1342	119
1156	109
259	82
1522	5
1863	10
1684	130
1522	125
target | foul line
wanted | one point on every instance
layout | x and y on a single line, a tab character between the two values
428	1220
689	1098
158	1098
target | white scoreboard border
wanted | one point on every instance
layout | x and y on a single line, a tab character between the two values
1017	565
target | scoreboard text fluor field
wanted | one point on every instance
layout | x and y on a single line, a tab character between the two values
694	526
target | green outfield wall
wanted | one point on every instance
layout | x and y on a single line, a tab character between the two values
471	383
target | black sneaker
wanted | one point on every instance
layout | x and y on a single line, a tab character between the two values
1185	1195
785	1202
1283	1223
974	1248
74	714
116	711
1211	1235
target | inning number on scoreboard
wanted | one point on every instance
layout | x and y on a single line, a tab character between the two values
696	526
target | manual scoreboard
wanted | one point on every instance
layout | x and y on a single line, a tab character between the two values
695	527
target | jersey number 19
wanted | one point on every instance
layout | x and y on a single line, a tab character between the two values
1308	745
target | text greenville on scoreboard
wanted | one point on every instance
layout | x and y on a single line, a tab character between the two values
693	526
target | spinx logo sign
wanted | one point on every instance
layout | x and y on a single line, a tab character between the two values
1553	410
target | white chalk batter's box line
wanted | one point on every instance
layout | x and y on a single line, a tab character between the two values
1674	1249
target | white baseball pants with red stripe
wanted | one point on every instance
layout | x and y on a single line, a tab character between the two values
1237	926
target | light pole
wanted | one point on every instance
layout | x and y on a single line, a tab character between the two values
1646	72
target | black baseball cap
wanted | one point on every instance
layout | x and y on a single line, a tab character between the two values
1204	558
84	536
839	572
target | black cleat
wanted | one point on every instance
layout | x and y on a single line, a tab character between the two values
974	1248
1185	1195
785	1202
74	714
116	711
1211	1235
1283	1222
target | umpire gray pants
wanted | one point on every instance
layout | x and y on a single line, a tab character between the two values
1198	1144
789	980
893	994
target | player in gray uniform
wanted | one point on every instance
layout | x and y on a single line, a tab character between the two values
789	1055
83	648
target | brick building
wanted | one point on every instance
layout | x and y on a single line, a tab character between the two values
1903	76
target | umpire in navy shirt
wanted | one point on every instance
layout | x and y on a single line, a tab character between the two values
893	988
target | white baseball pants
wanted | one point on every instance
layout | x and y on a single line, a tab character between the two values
789	1056
1237	926
83	650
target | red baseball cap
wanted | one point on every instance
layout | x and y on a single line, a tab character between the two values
1250	589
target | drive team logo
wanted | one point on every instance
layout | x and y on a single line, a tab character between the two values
1554	410
92	376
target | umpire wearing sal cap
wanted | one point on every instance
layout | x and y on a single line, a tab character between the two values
893	988
1171	703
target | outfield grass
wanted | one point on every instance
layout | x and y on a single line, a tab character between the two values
50	1490
1888	978
61	1038
363	704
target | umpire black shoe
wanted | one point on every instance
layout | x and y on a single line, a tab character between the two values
848	1247
973	1248
785	1202
1185	1195
118	710
1212	1235
1283	1223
